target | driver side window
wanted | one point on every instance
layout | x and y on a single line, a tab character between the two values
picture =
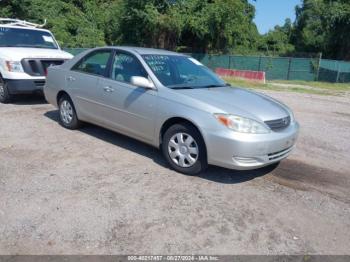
126	66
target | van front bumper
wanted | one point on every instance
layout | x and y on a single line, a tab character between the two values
250	151
24	86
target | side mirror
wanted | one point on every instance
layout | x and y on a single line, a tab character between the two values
142	82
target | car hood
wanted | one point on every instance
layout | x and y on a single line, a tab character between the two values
238	101
18	53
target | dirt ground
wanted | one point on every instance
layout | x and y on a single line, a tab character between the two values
93	191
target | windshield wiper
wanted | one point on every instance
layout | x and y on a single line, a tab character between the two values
197	87
181	87
211	86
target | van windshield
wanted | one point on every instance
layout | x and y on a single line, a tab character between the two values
18	37
177	72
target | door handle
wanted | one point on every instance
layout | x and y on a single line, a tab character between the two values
108	89
70	78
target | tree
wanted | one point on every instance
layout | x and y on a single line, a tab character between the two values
75	23
323	26
153	23
219	26
278	41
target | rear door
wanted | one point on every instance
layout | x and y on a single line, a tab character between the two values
82	83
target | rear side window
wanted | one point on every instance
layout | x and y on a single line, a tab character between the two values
95	63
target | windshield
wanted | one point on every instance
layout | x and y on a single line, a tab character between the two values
17	37
182	72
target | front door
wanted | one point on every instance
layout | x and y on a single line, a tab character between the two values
131	109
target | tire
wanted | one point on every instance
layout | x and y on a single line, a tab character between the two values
5	96
184	155
67	115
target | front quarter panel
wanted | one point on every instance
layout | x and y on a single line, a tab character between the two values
172	105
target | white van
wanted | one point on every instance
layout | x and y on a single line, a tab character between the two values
26	51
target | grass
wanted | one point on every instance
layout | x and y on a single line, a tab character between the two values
319	88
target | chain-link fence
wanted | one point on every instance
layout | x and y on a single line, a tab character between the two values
334	71
281	68
276	68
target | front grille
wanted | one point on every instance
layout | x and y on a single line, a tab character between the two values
39	83
38	67
278	124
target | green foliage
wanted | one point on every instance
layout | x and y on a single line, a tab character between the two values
210	26
151	23
75	23
277	41
323	26
218	26
195	25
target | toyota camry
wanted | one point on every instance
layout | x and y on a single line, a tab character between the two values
173	102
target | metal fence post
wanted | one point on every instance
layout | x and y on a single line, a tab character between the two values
338	72
319	67
289	66
259	66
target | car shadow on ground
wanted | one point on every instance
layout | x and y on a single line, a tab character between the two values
32	99
215	174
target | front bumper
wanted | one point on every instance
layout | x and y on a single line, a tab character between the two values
25	86
250	151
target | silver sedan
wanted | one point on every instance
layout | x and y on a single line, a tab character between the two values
173	102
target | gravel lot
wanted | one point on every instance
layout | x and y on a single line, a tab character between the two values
93	191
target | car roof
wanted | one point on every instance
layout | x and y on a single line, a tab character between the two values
145	51
131	49
25	28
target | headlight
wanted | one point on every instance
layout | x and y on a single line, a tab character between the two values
14	66
241	124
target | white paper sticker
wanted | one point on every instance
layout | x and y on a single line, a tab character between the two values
48	39
195	61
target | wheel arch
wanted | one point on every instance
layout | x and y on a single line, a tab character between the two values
178	120
1	76
60	94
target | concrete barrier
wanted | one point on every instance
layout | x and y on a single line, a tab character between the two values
246	74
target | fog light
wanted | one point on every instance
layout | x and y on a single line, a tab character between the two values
246	160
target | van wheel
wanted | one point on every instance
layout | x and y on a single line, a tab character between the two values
5	96
184	149
68	116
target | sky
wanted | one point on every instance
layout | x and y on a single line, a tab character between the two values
273	12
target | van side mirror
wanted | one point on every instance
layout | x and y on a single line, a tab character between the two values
142	82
